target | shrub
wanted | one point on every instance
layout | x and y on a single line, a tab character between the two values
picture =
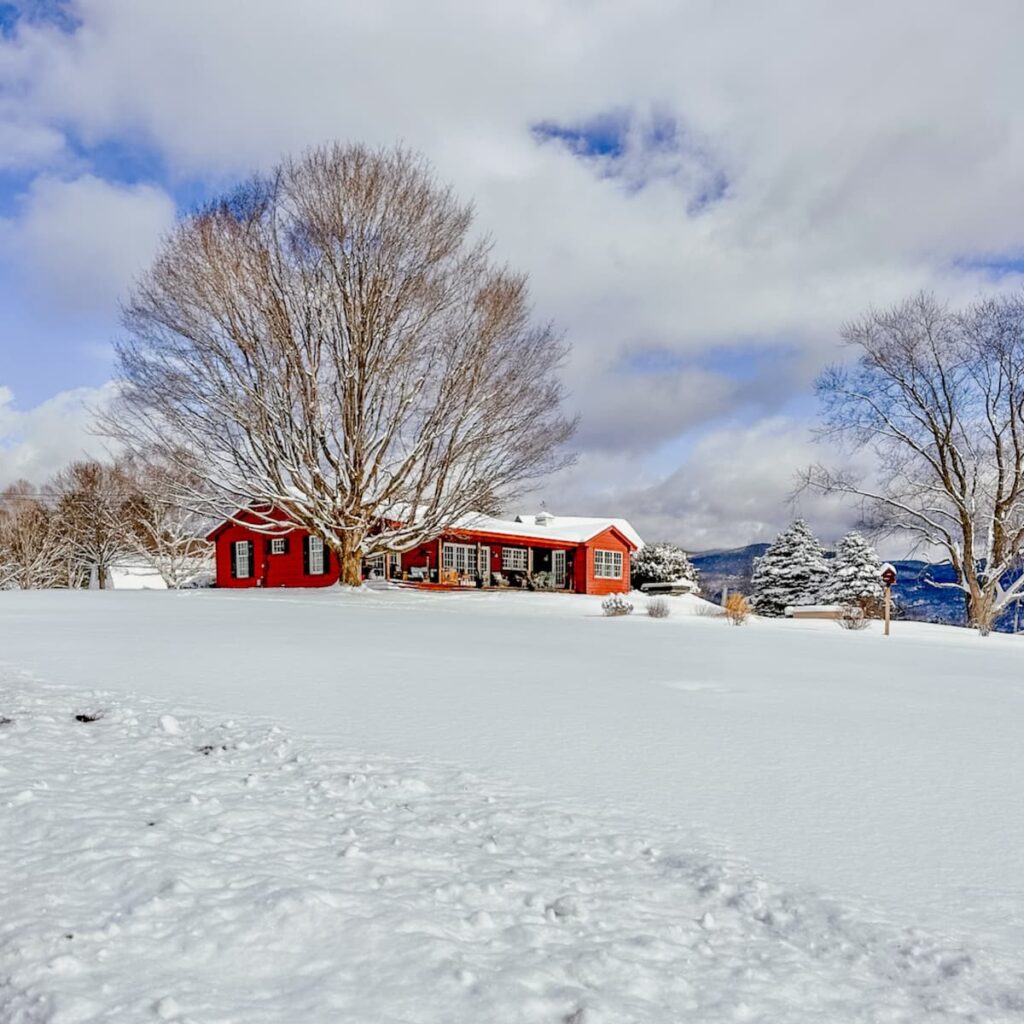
706	610
658	608
737	609
616	604
660	563
852	616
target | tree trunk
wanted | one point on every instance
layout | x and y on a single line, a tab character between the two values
350	563
101	576
979	611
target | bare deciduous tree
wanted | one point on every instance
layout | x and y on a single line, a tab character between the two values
939	396
160	527
329	342
89	509
32	552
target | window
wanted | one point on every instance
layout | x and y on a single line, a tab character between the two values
316	556
460	557
513	558
608	565
278	546
242	567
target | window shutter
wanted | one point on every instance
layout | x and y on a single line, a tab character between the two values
234	559
268	545
252	564
287	542
305	555
327	559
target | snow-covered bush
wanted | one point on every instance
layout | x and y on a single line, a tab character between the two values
707	610
616	604
657	608
737	609
791	572
660	563
853	616
855	576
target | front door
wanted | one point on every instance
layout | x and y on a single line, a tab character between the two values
558	568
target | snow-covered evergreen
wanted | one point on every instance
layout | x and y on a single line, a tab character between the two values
660	563
792	571
855	574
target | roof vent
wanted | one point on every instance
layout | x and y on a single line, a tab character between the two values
544	518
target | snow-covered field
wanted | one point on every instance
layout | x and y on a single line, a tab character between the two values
392	806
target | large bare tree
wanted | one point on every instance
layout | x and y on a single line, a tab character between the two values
89	502
330	342
938	395
33	552
160	526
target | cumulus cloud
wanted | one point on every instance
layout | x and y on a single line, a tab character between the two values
735	484
714	183
37	441
78	243
26	145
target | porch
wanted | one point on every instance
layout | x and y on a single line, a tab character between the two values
481	564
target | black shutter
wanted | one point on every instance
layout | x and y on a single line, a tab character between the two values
252	564
287	542
234	559
268	545
327	559
305	555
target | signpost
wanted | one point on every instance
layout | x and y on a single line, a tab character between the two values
888	578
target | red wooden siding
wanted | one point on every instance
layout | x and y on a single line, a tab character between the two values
287	570
586	581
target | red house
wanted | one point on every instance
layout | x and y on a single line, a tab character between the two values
541	552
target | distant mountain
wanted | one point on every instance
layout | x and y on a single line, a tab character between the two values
726	568
915	597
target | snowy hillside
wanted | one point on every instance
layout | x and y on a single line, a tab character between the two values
394	806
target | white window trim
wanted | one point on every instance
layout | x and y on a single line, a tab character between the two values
514	559
316	556
460	557
605	562
242	560
277	545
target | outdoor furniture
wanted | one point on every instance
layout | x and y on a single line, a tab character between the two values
671	587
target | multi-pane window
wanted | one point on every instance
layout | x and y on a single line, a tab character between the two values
608	565
316	556
460	557
243	570
513	558
277	546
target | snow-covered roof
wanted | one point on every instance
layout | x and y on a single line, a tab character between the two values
569	529
135	575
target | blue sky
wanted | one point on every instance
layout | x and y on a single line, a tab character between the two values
701	195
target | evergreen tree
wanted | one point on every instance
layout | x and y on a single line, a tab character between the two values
855	573
792	571
661	563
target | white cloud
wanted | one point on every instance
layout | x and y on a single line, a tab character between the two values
861	151
734	486
78	243
26	145
38	441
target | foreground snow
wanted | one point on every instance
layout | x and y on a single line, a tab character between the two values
162	866
883	774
